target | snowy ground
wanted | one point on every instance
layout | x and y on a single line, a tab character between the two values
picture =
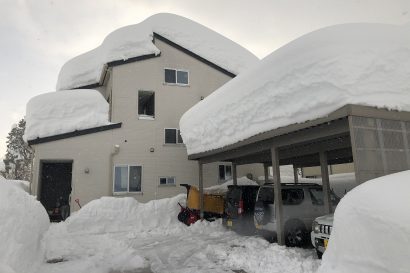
87	243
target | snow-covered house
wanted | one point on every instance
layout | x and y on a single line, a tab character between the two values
337	95
124	139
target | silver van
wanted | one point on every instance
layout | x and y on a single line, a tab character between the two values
302	204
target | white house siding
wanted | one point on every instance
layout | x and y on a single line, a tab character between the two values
136	137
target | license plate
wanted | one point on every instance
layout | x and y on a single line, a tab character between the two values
325	243
229	223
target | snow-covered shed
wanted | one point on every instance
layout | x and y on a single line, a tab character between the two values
339	94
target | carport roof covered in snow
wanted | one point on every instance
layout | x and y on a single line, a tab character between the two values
336	95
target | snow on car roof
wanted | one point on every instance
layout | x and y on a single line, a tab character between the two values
137	40
309	78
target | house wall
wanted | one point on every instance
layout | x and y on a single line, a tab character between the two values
141	141
333	169
88	151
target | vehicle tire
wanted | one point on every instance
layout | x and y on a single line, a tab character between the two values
296	234
319	254
262	213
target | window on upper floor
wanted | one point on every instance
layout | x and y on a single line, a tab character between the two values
146	104
225	172
173	136
176	76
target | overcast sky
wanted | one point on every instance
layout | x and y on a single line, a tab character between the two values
39	36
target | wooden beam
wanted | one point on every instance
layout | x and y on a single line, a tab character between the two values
234	174
325	181
277	189
201	190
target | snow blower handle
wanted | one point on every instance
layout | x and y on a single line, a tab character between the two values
78	202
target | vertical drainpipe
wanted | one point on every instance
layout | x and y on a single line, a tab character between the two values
115	150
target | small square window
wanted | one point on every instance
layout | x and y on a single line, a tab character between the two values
225	172
170	136
182	77
170	76
169	180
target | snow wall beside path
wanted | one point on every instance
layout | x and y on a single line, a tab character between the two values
23	222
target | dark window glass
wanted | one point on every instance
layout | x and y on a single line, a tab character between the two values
221	172
292	196
135	178
228	172
146	103
180	137
182	77
170	76
171	180
163	181
316	195
170	136
266	195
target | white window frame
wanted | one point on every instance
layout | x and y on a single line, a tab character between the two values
167	184
225	178
176	132
176	76
128	184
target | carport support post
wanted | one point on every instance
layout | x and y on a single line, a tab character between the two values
266	171
201	190
295	174
234	174
277	188
325	181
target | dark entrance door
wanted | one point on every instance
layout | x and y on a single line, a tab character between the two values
55	187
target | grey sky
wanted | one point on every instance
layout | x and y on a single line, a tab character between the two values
38	36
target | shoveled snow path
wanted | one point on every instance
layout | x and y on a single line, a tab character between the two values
204	247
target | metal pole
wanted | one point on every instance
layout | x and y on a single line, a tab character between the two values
266	172
295	174
234	174
277	188
201	190
325	181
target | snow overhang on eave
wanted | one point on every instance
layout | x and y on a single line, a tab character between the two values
74	134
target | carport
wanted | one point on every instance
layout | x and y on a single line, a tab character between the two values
375	139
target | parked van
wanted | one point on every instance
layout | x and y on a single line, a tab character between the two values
302	204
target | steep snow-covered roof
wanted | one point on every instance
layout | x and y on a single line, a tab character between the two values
312	76
137	40
56	113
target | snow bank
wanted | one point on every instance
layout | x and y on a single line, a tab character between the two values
137	40
223	188
365	64
23	221
62	112
371	231
21	184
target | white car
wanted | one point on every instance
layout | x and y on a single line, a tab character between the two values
321	230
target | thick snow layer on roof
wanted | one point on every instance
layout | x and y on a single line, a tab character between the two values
136	40
62	112
371	231
365	64
223	188
23	221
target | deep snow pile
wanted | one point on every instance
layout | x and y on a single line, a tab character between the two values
23	221
223	188
137	40
123	235
365	64
62	112
371	231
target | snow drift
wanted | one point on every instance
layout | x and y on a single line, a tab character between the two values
137	40
62	112
23	221
21	184
365	64
371	230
